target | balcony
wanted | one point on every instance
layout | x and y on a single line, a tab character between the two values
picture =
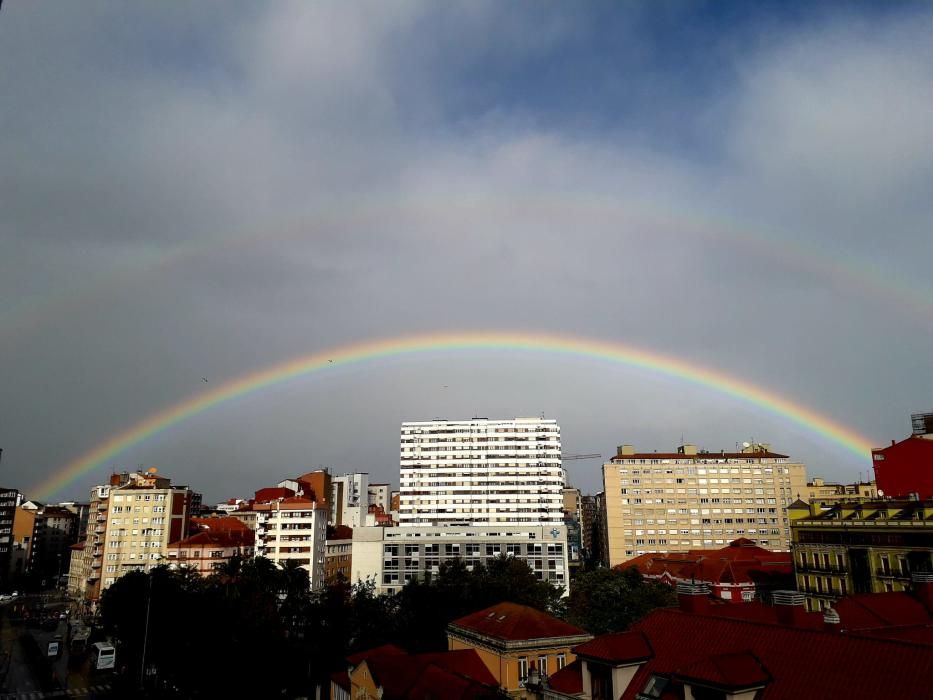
822	569
893	573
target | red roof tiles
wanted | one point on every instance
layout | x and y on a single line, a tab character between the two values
513	622
569	680
803	664
618	647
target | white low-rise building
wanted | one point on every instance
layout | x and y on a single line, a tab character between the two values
392	556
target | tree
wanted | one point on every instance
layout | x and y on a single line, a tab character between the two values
610	600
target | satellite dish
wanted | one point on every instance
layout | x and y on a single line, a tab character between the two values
746	444
881	493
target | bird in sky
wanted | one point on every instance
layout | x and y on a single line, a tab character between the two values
331	361
204	379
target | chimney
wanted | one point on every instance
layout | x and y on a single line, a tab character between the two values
693	597
922	585
114	479
831	620
790	607
623	450
687	449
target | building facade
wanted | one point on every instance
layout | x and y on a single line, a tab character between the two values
213	543
133	519
338	555
481	472
293	529
827	492
664	502
906	467
513	639
9	500
392	556
860	547
349	502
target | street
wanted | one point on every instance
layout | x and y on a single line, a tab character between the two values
27	672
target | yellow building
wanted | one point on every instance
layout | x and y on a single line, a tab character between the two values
859	547
691	499
827	492
512	639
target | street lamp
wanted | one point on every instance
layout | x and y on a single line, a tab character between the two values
142	663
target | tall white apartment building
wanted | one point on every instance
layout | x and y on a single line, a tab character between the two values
481	472
691	499
293	529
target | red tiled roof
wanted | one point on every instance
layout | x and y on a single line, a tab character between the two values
569	680
513	622
876	610
222	523
457	675
223	538
804	664
341	679
740	562
733	671
273	493
618	647
384	650
342	532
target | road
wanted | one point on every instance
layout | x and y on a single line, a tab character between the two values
29	681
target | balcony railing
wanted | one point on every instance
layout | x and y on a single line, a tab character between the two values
893	573
822	568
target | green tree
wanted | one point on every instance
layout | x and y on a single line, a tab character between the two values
610	600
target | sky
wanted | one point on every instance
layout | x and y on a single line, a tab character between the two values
194	192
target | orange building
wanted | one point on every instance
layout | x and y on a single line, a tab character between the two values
512	639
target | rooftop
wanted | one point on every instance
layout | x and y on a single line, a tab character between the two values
511	622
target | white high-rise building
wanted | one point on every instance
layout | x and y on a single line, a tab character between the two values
481	472
349	499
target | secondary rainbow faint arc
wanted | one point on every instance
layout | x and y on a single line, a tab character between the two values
438	342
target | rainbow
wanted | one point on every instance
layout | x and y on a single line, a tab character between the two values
372	350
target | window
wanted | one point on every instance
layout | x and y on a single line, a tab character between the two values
542	665
561	661
522	667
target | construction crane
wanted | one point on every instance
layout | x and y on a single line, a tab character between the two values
567	458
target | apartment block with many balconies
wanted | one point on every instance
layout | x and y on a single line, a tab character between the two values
688	499
481	472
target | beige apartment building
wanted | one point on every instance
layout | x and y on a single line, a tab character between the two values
689	499
132	521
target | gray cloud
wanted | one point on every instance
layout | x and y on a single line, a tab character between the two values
204	192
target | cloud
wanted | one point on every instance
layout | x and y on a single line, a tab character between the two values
206	191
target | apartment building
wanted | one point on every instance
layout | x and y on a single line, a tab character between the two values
392	556
212	544
481	472
338	555
133	519
665	502
828	492
349	501
860	547
380	495
9	500
293	529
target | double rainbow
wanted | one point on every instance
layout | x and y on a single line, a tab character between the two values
372	350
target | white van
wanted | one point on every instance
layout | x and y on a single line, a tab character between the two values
105	656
